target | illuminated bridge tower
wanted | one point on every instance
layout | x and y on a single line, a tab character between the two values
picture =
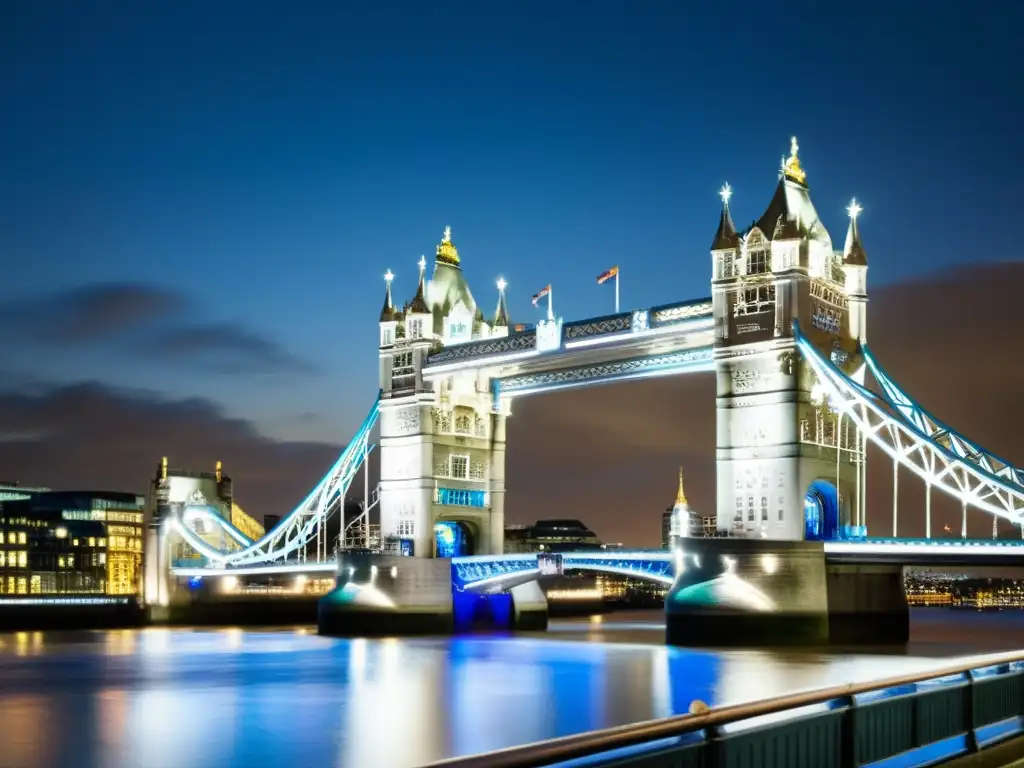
787	467
442	484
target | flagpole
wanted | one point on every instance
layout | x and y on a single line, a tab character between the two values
616	290
551	314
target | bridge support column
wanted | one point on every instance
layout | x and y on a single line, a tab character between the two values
751	592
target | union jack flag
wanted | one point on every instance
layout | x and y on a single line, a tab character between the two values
604	277
541	294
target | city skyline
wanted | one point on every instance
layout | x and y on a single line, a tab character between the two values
235	296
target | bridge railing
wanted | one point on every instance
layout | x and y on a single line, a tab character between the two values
925	718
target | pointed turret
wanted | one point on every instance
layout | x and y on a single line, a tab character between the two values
725	237
853	252
388	315
387	312
500	325
683	523
419	301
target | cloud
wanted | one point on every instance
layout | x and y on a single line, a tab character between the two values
609	454
90	313
133	318
224	348
92	436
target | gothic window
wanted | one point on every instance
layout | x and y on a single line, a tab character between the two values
406	528
442	421
750	509
727	265
463	422
458	467
757	260
456	329
481	427
477	471
764	508
739	508
755	298
414	328
387	336
402	364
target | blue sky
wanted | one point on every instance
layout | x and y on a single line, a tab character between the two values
260	165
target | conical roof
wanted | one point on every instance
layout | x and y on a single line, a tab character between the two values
387	312
854	254
726	236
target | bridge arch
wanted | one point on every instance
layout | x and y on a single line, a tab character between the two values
821	511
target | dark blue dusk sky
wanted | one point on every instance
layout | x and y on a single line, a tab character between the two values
200	198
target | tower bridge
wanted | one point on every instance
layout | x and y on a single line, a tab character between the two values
785	334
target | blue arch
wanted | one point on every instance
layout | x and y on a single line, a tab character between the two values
821	512
453	539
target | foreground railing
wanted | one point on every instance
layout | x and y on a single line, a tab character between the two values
915	720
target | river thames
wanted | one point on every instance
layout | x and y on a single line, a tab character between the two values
158	698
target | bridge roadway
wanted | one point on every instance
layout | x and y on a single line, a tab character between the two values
485	571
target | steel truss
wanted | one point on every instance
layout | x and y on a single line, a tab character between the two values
301	525
907	435
938	431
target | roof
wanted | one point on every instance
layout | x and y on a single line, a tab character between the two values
726	236
791	215
387	312
853	253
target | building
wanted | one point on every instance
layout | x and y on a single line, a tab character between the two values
173	491
680	521
550	536
13	491
442	486
71	542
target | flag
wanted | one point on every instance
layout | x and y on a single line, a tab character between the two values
604	277
541	294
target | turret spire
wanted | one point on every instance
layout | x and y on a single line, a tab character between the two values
501	313
853	252
726	236
680	494
791	167
387	313
419	301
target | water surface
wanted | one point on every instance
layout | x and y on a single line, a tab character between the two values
160	698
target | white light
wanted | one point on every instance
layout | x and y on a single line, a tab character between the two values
61	533
300	582
729	563
502	284
853	209
447	235
770	563
725	193
422	263
394	571
229	584
389	276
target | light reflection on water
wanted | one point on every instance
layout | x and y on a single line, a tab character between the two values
160	697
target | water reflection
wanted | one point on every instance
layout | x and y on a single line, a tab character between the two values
160	697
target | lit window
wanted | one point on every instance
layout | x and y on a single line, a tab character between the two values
92	541
22	559
459	466
60	561
21	537
1	537
102	542
71	561
757	262
74	542
3	558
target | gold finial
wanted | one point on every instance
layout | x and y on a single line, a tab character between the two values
791	167
446	251
163	468
219	473
680	496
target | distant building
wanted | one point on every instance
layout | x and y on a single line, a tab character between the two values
681	522
71	543
12	491
550	536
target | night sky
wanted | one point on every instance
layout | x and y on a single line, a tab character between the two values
198	202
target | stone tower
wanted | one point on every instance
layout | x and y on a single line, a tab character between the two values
442	446
787	466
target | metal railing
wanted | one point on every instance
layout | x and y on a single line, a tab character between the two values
927	717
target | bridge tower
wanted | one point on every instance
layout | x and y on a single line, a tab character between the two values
787	467
442	445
